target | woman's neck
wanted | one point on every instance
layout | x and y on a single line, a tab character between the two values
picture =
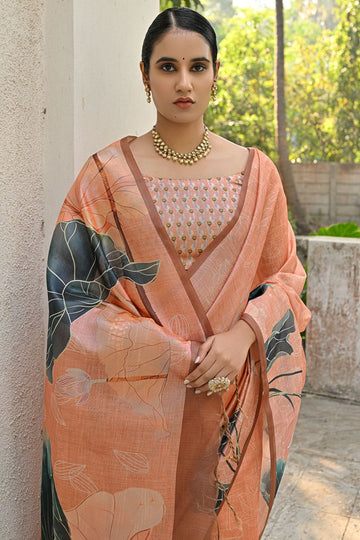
180	137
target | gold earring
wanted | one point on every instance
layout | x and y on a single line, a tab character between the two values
213	91
148	92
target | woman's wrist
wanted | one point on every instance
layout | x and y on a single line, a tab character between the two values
245	332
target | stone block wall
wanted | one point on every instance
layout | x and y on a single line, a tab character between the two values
330	192
333	296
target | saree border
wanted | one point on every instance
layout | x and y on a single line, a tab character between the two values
139	288
185	275
246	443
130	158
226	230
267	408
164	237
264	400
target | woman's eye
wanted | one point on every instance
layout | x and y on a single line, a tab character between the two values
168	67
199	67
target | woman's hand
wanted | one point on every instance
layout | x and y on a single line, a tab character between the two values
222	355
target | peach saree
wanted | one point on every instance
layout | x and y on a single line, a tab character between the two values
130	452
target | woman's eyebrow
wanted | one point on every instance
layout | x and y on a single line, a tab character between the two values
200	59
166	59
169	59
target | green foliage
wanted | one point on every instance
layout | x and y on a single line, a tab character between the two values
243	112
218	12
193	4
321	13
347	80
348	230
322	69
219	9
310	97
323	75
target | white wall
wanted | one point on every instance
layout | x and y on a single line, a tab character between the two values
95	91
78	59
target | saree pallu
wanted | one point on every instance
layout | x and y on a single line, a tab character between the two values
129	452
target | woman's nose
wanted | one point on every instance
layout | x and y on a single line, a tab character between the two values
184	83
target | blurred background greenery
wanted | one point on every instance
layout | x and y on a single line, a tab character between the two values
322	75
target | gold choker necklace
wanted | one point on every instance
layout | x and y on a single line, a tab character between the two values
189	158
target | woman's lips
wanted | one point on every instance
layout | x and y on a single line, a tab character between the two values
184	103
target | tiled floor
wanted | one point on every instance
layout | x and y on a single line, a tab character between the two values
319	497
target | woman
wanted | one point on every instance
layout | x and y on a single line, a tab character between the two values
175	364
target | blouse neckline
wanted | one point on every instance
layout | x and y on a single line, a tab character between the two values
200	179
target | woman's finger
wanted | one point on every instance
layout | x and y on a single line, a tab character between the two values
200	377
205	387
204	349
199	373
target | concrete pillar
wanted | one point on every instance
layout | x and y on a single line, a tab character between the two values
22	330
333	336
69	85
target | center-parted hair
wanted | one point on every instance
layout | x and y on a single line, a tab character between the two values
178	17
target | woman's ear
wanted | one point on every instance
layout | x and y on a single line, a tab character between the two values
216	74
144	76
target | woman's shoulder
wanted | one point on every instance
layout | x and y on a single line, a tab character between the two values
236	150
109	160
261	164
114	149
229	148
234	154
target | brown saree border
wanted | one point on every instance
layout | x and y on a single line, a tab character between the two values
226	230
185	275
266	400
164	237
140	288
246	443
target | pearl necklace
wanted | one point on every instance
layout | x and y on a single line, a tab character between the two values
189	158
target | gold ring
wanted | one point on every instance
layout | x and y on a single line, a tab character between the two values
217	384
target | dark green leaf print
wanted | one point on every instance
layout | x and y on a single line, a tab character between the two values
54	524
83	266
277	343
222	492
259	291
225	438
265	480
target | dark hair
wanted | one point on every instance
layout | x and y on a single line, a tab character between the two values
178	17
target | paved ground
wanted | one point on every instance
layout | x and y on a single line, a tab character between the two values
319	497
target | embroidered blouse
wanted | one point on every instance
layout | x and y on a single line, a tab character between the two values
194	212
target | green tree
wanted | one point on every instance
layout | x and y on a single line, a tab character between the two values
243	112
310	98
322	13
220	9
347	81
218	12
194	4
285	169
322	86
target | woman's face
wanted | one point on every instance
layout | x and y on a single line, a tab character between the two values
180	75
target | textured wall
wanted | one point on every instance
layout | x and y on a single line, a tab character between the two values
69	85
333	338
21	265
330	192
95	92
